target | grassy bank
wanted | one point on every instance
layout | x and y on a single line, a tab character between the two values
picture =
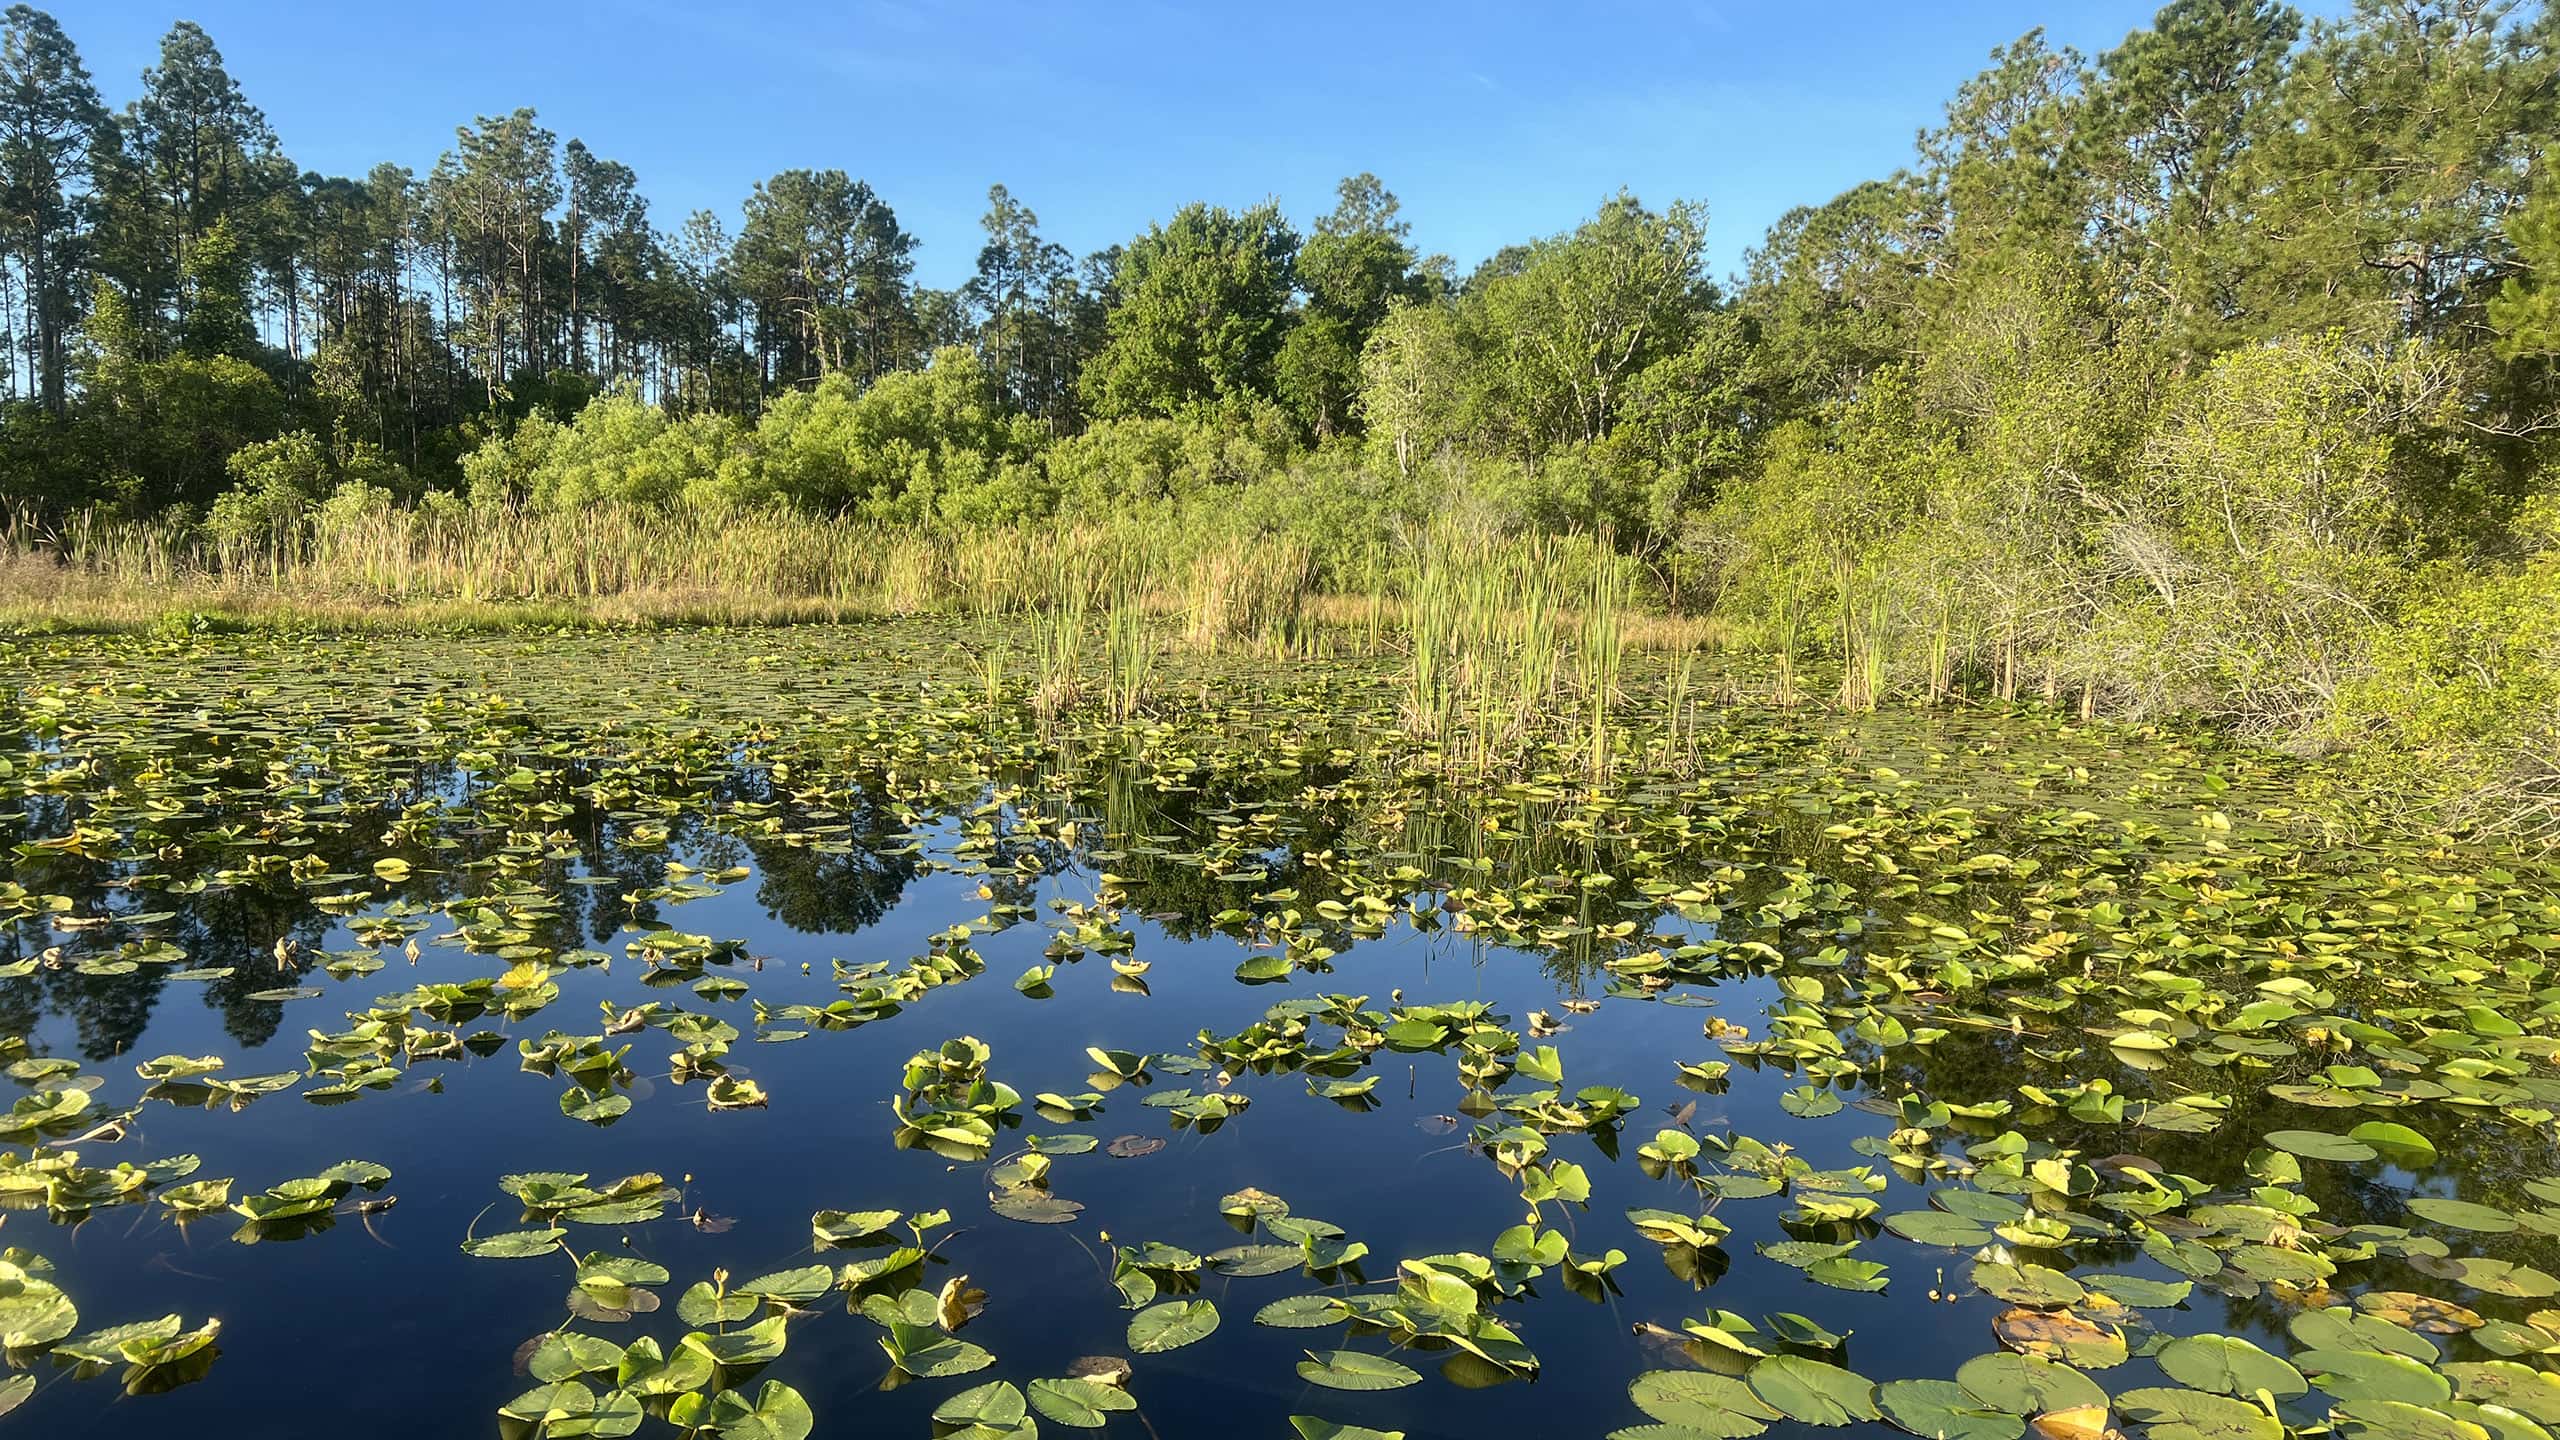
471	569
1504	641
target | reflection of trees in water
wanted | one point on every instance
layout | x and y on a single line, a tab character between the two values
819	893
239	928
1179	895
237	925
2494	1160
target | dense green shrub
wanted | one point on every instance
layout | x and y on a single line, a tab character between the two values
276	483
1137	460
912	447
2461	703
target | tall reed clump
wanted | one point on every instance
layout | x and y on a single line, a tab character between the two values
1253	593
1129	653
1599	656
991	667
1866	642
1786	637
1512	645
1057	643
1942	632
1679	719
1431	644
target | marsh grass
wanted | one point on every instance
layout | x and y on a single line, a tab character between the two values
1129	655
1057	652
1599	656
1509	649
1255	596
1508	643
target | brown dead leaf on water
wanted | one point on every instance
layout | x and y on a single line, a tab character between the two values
1101	1369
2060	1336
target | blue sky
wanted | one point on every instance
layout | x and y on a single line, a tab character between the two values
1493	121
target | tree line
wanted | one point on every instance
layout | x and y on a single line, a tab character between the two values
2211	372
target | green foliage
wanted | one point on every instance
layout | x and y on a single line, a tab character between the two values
161	429
1199	313
216	314
619	448
914	447
2526	311
1560	339
825	263
2206	374
1596	362
1131	462
2461	705
276	481
1356	265
279	483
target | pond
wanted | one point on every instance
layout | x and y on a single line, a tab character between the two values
791	1032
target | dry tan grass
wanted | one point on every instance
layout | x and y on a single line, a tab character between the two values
633	566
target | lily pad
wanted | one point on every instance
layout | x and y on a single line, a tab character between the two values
2025	1385
1171	1325
1812	1391
1352	1370
1944	1410
1079	1403
1701	1403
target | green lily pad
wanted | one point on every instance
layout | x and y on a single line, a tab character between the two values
998	1405
1812	1391
2395	1142
515	1244
2372	1375
2399	1420
775	1413
2534	1394
2321	1145
1944	1410
1311	1428
1701	1403
2029	1284
1079	1403
1351	1370
1303	1312
1171	1325
2197	1415
2342	1329
2463	1215
2229	1365
2026	1385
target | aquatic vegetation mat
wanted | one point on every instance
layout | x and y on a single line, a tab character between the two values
804	1032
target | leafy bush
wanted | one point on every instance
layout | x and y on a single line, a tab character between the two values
277	483
2461	704
1136	461
913	447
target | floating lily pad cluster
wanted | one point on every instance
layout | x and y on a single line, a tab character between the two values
2097	1032
40	1322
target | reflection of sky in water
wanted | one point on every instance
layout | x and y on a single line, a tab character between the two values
390	1327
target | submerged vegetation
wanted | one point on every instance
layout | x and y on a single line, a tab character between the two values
2074	1078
